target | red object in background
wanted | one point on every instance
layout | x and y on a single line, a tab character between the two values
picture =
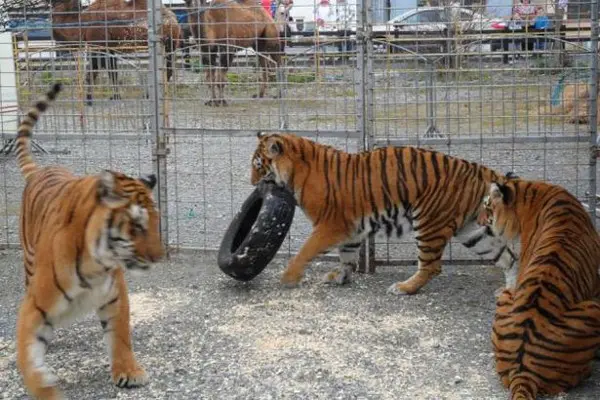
498	25
266	5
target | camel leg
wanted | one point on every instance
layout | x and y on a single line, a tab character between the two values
222	76
209	60
113	75
264	76
224	62
90	78
210	79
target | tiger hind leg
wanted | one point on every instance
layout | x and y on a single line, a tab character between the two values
431	243
348	261
34	333
114	317
483	242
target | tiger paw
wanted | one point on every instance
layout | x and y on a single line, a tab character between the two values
130	378
338	276
49	393
498	292
400	289
290	279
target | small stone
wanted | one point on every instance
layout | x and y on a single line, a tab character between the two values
303	331
457	380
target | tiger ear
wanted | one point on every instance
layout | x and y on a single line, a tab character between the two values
106	191
148	180
274	148
501	193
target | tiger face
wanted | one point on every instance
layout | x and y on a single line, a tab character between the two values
497	210
129	232
270	161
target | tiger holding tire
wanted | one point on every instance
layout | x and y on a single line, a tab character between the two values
77	233
546	330
349	196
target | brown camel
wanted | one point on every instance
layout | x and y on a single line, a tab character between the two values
112	23
241	23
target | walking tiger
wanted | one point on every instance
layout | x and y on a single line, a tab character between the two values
395	189
547	328
77	233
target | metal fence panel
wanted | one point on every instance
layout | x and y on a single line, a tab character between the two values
109	133
467	92
521	100
315	92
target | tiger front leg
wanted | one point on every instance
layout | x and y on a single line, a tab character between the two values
34	332
482	241
114	317
319	242
348	261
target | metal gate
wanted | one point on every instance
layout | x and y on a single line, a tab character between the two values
516	98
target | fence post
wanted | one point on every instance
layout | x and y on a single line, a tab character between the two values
282	79
593	107
157	109
430	101
364	60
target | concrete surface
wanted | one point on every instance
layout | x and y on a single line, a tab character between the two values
202	335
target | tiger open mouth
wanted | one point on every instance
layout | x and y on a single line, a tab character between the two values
487	205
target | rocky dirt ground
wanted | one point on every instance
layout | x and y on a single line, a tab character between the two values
202	335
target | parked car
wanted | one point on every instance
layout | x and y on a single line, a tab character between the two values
429	20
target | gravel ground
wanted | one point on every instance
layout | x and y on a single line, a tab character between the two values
202	335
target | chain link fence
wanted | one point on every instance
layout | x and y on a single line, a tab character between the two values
514	88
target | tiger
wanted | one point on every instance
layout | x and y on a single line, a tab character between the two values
390	190
547	328
77	234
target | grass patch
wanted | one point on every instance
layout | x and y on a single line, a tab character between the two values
298	77
48	78
496	110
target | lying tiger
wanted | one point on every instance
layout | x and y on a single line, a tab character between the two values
77	233
348	197
546	329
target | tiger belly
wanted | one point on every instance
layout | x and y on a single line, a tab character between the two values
386	225
78	302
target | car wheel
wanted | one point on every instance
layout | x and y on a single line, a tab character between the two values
256	232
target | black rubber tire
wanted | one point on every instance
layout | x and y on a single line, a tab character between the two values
256	232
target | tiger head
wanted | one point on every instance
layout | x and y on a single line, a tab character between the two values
125	228
498	209
270	161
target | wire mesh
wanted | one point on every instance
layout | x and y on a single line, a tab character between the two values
312	91
505	86
511	93
95	123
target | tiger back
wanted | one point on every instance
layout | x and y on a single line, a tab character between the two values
393	190
546	330
77	234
